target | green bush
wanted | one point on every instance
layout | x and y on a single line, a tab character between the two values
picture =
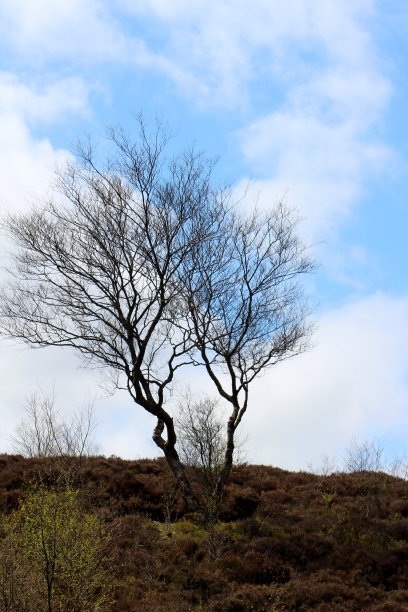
60	555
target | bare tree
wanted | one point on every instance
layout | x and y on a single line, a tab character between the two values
329	465
365	456
143	267
246	306
36	434
202	442
201	437
67	439
99	271
45	433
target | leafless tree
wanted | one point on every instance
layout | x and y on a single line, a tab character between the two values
246	307
99	270
45	433
201	438
143	266
365	456
35	435
66	439
328	465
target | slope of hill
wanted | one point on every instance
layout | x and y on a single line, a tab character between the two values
284	541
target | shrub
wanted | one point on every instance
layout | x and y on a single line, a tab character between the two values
60	554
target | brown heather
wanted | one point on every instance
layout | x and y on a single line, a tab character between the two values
284	541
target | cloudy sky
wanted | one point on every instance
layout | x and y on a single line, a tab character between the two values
306	99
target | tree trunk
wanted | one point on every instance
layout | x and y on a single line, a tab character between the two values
228	459
173	460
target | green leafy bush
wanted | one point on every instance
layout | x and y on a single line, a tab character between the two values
60	554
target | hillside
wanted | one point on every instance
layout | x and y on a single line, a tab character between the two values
285	541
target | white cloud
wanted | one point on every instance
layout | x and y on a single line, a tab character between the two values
43	29
48	103
353	383
28	166
313	65
227	44
323	143
80	33
216	51
28	163
320	166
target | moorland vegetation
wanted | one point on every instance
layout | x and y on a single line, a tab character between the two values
282	540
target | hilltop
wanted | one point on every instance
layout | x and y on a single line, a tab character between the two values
284	540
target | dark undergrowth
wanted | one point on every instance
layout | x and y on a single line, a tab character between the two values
284	541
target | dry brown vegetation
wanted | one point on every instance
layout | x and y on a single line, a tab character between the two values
284	541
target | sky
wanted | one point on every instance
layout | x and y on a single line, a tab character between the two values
306	100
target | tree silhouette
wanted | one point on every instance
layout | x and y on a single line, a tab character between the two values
144	266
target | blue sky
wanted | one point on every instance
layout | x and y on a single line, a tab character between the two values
307	100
